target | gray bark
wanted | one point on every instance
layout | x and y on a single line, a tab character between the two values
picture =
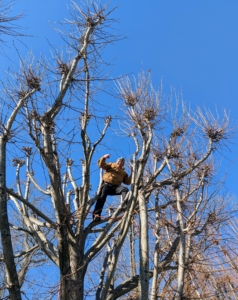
132	250
154	287
181	259
144	250
8	254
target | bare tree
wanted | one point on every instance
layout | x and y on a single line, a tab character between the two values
179	173
7	21
9	27
172	213
74	80
12	277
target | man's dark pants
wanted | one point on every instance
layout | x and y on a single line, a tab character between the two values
108	190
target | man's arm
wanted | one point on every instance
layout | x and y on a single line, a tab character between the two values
102	162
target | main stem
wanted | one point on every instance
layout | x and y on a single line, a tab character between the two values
12	277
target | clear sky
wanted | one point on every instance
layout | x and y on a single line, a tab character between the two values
191	44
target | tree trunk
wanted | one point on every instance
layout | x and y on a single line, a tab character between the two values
144	250
154	287
181	259
132	250
12	277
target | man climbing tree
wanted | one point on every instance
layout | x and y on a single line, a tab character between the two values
112	180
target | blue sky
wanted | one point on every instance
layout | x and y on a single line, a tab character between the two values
191	45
